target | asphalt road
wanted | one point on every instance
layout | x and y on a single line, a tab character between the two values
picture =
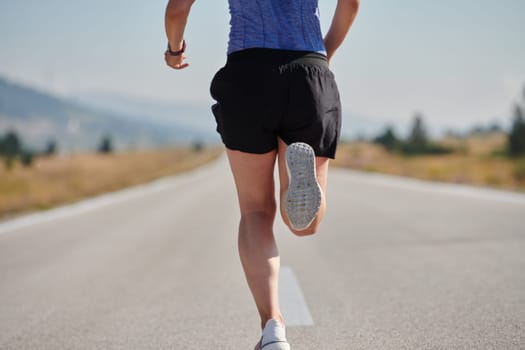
398	264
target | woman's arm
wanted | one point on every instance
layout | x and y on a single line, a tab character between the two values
344	16
177	13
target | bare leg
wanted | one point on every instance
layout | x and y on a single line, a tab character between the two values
322	174
253	175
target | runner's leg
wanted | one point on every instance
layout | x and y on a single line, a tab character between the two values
253	175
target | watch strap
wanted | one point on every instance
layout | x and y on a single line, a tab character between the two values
179	52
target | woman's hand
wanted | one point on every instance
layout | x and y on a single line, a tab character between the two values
177	12
175	62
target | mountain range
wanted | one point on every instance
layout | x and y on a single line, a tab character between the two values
79	124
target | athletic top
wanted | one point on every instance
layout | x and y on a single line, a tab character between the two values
275	24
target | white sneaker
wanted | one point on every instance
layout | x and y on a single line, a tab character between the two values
273	337
303	198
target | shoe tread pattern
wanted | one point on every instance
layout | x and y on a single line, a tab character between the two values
303	198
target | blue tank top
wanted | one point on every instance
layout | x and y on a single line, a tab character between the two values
275	24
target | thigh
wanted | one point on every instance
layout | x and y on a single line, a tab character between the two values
242	110
253	176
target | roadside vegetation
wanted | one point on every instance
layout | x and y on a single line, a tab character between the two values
486	156
50	179
40	179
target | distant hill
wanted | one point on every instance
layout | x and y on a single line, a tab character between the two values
199	117
38	116
195	116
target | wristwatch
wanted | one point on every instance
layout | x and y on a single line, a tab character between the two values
177	53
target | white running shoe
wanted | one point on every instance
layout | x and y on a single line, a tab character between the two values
303	198
273	337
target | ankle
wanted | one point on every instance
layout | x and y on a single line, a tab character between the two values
278	318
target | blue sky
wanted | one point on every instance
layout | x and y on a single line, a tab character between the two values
459	62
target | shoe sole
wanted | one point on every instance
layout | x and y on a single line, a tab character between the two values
276	346
303	198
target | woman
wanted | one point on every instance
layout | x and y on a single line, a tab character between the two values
276	101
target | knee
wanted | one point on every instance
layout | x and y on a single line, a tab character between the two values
259	216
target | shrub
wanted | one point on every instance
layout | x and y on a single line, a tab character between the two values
26	158
516	140
106	145
388	139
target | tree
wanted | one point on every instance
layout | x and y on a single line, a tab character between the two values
388	139
106	145
10	147
26	158
197	146
418	136
516	140
11	144
417	142
51	148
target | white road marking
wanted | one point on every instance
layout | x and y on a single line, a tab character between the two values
293	305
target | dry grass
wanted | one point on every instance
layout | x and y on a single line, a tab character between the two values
478	144
62	179
57	180
474	165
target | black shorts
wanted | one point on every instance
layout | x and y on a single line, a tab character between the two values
263	94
